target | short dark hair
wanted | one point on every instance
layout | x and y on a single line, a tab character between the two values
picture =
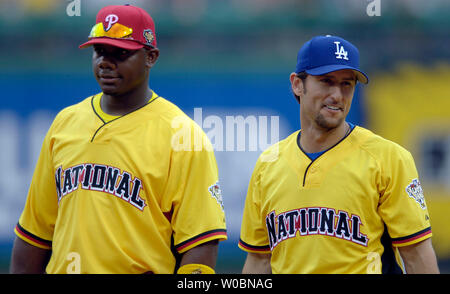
302	76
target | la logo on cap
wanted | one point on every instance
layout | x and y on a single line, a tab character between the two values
340	51
111	19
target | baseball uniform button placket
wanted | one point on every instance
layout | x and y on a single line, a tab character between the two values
312	176
104	126
313	168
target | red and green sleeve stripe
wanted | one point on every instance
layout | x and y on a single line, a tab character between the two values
413	238
254	249
31	238
201	238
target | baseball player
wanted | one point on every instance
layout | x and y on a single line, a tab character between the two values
116	188
337	198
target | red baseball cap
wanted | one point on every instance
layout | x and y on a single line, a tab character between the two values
123	26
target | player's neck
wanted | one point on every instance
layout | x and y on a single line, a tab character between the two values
314	139
125	103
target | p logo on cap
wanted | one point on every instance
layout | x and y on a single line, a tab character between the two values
124	26
110	19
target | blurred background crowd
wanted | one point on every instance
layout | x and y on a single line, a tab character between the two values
233	58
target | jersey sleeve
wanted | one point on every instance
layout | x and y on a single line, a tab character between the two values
402	204
37	221
195	196
254	237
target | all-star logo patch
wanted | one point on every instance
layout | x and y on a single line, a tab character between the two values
415	191
149	37
216	193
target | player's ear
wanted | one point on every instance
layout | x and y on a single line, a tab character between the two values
152	55
297	86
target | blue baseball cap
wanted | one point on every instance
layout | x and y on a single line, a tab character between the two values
325	54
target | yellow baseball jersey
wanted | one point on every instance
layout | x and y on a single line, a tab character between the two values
122	194
344	212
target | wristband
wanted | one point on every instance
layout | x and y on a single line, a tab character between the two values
194	268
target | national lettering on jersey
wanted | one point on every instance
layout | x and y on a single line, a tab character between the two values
102	178
314	221
340	51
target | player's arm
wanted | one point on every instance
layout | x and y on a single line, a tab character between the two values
205	254
189	191
257	263
419	258
28	259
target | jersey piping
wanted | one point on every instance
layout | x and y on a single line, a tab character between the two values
154	97
306	154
